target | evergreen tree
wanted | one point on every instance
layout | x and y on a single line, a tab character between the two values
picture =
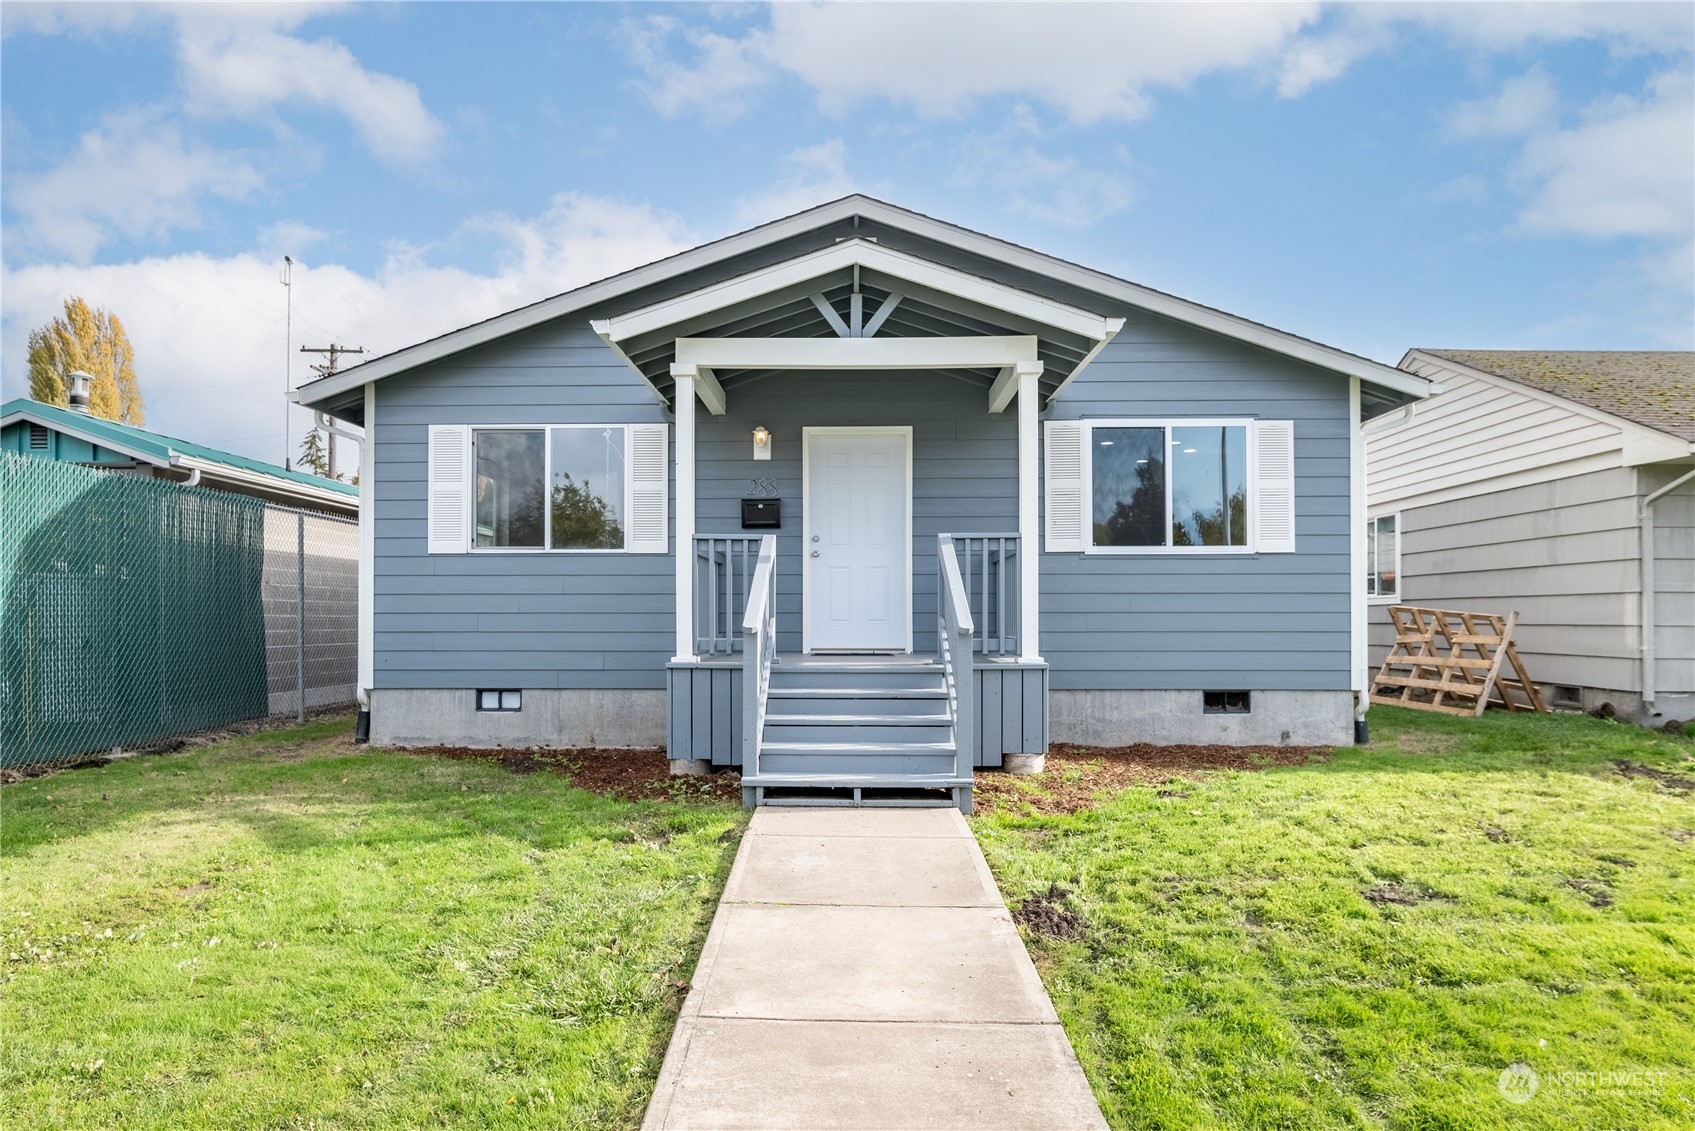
92	340
313	458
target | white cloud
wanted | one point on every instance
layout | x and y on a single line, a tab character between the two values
1523	105
235	59
719	84
1467	188
135	175
1356	31
1056	190
1092	61
209	337
232	67
811	175
1627	170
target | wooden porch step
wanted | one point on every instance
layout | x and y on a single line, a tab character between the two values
858	693
850	781
851	720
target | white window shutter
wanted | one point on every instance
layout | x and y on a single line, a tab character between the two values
1066	512
1274	486
649	475
450	504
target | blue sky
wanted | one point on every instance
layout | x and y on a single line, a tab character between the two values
1373	176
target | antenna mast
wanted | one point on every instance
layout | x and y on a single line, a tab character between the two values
287	280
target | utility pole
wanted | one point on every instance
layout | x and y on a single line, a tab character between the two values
332	365
287	280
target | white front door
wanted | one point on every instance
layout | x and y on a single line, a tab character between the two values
858	539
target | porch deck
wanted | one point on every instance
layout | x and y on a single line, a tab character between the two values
856	727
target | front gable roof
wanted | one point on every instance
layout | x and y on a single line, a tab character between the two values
787	239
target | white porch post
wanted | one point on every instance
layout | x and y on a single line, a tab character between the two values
1029	538
683	401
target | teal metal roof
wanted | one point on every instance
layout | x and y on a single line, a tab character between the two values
154	447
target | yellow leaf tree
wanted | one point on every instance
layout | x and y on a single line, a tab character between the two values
92	340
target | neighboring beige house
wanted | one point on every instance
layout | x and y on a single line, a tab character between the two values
1533	483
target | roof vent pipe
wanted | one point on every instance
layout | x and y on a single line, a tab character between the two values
78	392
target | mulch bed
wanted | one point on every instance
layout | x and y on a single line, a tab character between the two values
1076	775
634	775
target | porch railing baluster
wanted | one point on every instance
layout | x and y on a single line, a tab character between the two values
724	567
990	588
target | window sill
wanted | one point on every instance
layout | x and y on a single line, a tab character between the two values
1384	600
1170	551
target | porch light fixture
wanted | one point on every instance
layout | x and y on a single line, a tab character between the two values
761	443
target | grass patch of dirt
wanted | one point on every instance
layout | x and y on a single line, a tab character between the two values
1082	777
1049	914
1681	783
631	775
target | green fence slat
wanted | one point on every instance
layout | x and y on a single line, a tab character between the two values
131	610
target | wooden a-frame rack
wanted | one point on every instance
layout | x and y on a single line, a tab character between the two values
1453	662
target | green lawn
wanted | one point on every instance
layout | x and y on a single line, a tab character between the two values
1231	967
287	930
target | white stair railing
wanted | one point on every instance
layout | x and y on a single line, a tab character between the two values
954	632
759	649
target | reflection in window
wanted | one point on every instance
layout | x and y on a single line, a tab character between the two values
1129	486
1209	486
1382	557
588	488
509	487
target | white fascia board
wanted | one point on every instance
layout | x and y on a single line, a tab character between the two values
1114	325
855	253
88	438
599	327
857	353
835	211
210	469
1640	443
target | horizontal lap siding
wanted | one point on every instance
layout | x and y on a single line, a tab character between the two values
1562	554
515	620
1674	583
1162	622
1477	431
964	467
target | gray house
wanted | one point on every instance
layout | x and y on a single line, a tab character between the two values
859	500
1560	485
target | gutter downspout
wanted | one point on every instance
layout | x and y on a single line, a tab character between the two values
1358	612
367	545
1645	518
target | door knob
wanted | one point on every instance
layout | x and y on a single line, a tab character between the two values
815	537
815	553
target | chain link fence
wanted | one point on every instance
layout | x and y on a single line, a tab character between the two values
133	610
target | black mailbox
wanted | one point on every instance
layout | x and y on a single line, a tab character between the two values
762	514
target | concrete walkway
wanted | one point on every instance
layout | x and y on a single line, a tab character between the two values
862	972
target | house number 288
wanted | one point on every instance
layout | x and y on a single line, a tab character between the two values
761	488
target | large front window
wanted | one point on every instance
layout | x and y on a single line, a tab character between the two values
561	488
1169	485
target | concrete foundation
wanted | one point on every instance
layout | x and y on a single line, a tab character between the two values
1024	763
1277	718
551	717
689	768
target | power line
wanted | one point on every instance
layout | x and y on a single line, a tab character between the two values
335	352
